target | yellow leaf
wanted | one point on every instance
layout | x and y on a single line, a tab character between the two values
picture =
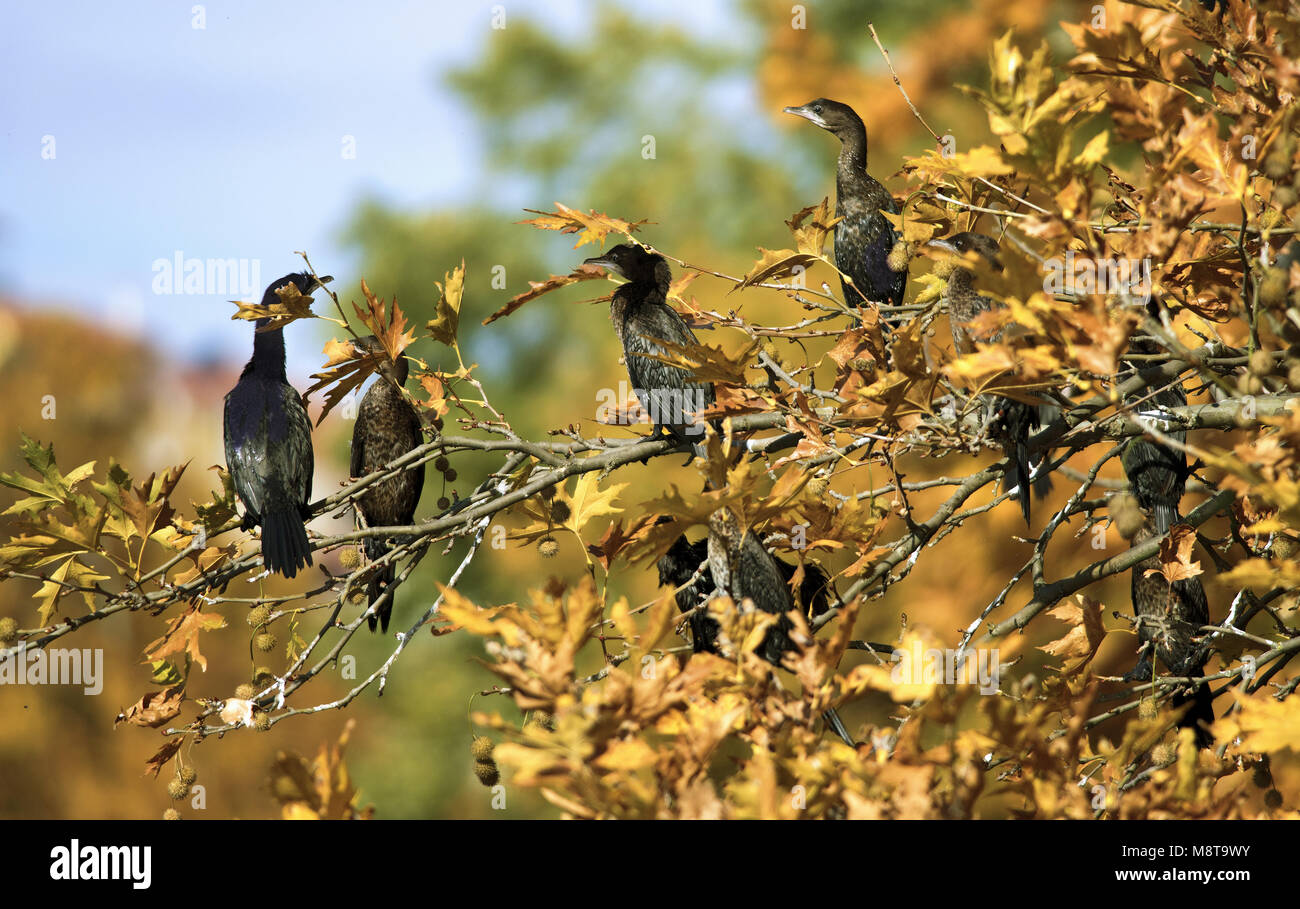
627	754
1095	151
662	614
1263	724
291	305
388	327
591	227
589	502
443	327
1176	555
621	616
776	263
811	237
347	368
555	282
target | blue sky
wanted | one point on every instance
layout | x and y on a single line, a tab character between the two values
227	141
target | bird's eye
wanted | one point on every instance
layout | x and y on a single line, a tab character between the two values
817	108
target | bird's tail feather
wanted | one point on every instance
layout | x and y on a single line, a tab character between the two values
285	547
1017	423
1043	414
1199	715
379	582
833	720
1164	516
1021	478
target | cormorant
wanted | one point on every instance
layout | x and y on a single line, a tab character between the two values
1013	421
268	445
742	568
863	238
679	564
1172	615
1157	472
387	427
642	318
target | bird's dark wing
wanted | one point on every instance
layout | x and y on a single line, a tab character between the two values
863	241
1156	471
360	431
300	459
677	396
1173	615
676	567
898	287
761	580
416	474
245	457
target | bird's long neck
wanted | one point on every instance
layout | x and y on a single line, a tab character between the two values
853	150
399	371
961	283
268	351
649	288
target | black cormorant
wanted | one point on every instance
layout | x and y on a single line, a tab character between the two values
1013	421
268	445
642	318
678	565
741	568
1156	471
863	237
387	427
1172	615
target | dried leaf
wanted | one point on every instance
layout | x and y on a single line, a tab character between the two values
592	227
445	325
154	708
554	282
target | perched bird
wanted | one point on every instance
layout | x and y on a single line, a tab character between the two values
1171	617
1013	421
268	445
677	567
683	559
743	569
387	427
1156	471
863	238
643	320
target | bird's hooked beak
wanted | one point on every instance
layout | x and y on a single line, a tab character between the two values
806	114
605	262
320	282
942	244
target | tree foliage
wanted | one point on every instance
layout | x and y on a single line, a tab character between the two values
1168	136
